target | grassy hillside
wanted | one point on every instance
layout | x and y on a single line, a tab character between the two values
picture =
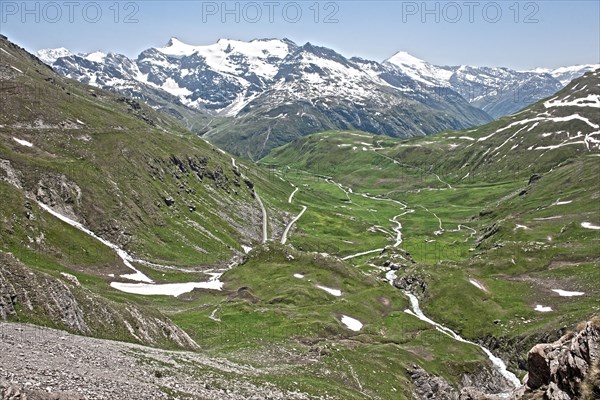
472	210
316	314
135	178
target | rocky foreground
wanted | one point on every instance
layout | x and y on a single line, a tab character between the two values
45	364
568	368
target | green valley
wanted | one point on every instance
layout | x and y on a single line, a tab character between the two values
342	265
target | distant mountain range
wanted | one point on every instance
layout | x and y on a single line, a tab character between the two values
254	96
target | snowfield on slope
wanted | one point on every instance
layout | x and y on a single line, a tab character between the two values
23	142
334	292
589	225
167	289
351	323
566	293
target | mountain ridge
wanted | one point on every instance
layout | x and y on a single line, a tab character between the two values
233	86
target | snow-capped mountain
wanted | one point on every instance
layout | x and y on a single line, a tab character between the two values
497	91
419	70
217	76
49	56
274	89
318	89
567	74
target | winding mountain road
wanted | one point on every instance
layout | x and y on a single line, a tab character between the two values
264	217
265	235
289	226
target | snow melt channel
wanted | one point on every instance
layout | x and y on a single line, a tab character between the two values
145	285
416	312
125	257
497	362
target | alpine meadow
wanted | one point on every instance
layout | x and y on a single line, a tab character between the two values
269	218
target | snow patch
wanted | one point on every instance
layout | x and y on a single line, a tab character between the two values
591	100
172	87
560	203
299	276
542	308
23	142
334	292
167	289
548	218
566	293
96	56
352	323
477	285
589	225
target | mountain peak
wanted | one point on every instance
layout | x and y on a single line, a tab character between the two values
173	41
49	56
404	58
176	47
96	56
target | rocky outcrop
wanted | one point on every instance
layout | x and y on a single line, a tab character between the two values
27	294
488	232
474	386
411	283
58	192
430	387
568	368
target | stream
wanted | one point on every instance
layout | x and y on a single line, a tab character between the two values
144	285
415	311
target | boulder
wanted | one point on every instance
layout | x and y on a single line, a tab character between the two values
169	201
558	370
538	366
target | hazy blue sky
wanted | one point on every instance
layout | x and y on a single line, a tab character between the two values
517	34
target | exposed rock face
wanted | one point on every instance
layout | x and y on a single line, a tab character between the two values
52	297
564	369
488	232
474	386
430	387
30	293
412	283
59	193
539	368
